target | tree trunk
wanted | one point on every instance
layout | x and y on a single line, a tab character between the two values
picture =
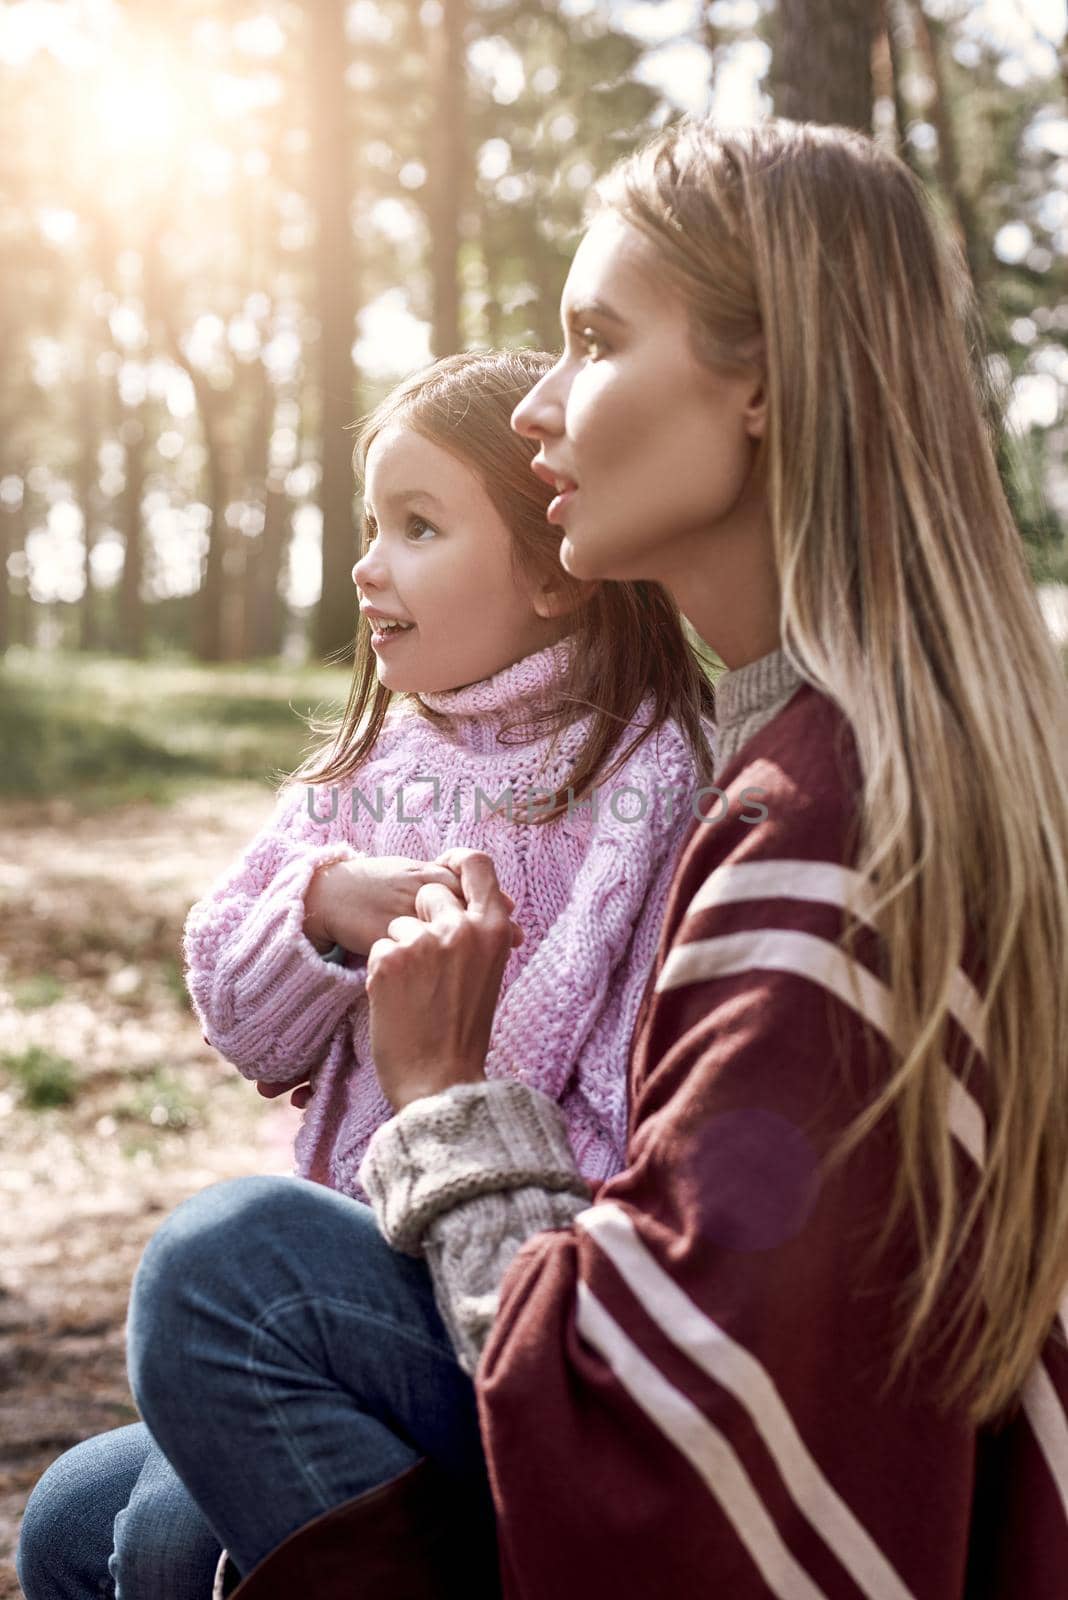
7	519
262	604
211	599
131	602
20	606
448	160
265	608
896	43
929	45
822	61
86	473
330	190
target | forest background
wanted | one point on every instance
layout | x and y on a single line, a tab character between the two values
226	228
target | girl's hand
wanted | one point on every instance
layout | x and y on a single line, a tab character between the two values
352	903
302	1091
433	982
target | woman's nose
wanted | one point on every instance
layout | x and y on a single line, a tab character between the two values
540	414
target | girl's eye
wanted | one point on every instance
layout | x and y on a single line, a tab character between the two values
591	342
370	534
419	531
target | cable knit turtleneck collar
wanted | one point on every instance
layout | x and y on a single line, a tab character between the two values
748	698
479	711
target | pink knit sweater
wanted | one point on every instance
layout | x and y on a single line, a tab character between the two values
589	893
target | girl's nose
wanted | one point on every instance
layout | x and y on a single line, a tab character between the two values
365	574
540	414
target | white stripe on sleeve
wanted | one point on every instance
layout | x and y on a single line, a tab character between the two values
821	962
710	1454
729	1364
826	883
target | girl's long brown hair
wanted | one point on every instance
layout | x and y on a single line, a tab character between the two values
627	639
906	598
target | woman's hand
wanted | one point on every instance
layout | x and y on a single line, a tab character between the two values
352	903
433	982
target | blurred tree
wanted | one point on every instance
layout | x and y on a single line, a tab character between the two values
822	60
447	171
288	181
330	190
86	489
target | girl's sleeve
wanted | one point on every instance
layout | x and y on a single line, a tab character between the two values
265	997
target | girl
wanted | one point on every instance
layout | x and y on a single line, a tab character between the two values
492	706
558	725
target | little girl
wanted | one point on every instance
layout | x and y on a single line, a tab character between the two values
496	704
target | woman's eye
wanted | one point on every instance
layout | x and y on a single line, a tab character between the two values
419	531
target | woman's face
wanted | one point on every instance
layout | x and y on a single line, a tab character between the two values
653	450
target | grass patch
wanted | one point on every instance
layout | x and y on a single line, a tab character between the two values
33	994
45	1079
173	975
98	731
162	1101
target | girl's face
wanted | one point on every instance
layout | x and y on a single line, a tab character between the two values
440	562
653	450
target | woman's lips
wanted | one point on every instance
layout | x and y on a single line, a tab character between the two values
566	489
557	508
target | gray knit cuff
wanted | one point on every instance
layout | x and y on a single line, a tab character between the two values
473	1139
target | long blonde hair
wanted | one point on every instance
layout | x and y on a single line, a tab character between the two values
906	599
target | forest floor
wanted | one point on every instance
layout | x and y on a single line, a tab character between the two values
112	1107
92	1012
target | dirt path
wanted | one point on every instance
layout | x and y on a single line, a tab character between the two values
90	913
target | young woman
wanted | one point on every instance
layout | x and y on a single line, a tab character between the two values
805	1344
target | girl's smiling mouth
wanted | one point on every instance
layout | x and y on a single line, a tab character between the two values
385	630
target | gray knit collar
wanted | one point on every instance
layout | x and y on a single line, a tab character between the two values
755	688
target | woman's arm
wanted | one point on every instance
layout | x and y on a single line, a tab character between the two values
707	1347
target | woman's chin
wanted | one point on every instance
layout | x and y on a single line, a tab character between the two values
578	561
582	559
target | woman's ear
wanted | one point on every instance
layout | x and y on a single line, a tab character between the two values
560	595
755	401
756	416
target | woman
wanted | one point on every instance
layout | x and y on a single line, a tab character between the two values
805	1344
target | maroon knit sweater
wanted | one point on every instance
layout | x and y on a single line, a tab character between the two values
686	1393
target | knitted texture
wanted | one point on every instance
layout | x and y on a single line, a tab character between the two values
747	699
454	1176
469	1213
589	889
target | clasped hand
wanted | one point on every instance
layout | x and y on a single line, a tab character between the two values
433	982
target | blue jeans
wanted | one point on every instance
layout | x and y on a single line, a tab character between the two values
285	1360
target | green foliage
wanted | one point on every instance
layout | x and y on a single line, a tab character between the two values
35	993
94	732
161	1101
174	980
45	1079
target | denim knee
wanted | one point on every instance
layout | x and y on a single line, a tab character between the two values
48	1560
203	1236
67	1528
164	1548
